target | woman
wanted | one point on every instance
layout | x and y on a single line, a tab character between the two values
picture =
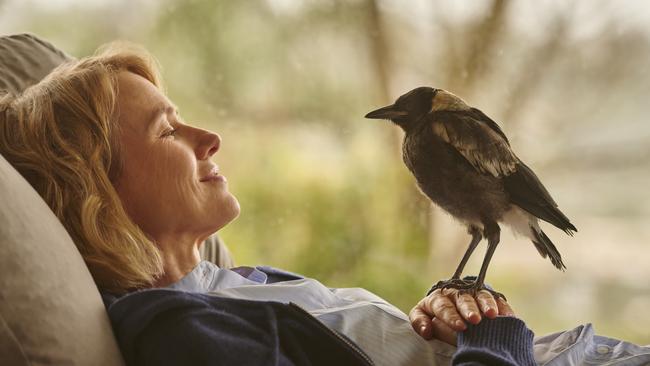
136	188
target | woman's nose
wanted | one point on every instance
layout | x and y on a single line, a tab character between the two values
209	143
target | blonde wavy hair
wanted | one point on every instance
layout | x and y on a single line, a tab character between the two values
61	135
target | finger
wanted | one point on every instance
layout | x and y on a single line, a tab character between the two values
441	331
467	307
444	309
487	303
421	322
504	307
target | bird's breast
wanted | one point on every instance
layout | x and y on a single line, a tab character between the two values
444	176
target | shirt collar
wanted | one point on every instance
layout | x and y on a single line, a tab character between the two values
202	278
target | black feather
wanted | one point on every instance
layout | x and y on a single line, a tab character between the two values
527	192
545	247
479	115
477	139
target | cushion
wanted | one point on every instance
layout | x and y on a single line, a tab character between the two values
215	251
25	60
50	310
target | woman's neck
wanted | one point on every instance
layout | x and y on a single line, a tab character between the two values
178	261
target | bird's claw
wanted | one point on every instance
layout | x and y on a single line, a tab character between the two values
465	287
474	290
456	283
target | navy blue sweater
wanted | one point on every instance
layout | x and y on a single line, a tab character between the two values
168	327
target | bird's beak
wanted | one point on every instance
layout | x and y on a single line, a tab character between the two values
388	112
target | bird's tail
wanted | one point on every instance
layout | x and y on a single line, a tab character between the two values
545	247
523	223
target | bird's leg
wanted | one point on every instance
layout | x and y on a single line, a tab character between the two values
476	238
492	232
455	281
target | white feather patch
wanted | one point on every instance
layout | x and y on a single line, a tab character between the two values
520	222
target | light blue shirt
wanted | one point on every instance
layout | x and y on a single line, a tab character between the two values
384	331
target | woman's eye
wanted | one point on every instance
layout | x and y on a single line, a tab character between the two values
171	132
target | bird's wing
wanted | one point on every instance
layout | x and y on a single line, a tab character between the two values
526	191
482	143
478	139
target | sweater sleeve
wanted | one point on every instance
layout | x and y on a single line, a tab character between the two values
500	341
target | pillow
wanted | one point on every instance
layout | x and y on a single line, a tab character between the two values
25	60
215	251
50	309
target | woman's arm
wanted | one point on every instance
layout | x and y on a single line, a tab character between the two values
504	340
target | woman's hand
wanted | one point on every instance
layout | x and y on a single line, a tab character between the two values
444	312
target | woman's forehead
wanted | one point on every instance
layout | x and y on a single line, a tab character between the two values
137	89
139	101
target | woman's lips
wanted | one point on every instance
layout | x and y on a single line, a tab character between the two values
214	178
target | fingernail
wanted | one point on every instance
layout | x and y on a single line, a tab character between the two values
423	329
472	316
460	324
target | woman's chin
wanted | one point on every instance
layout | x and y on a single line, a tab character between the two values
235	208
228	212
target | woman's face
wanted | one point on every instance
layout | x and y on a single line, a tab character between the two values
168	184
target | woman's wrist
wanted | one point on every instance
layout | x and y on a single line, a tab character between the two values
504	340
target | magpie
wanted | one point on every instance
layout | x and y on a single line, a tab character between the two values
463	162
